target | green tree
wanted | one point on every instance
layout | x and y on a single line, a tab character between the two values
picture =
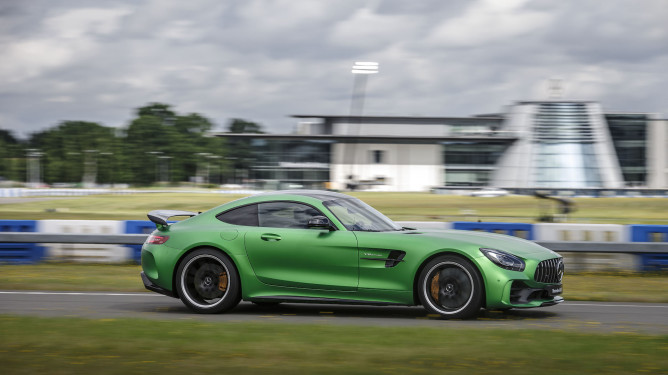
162	145
71	151
10	156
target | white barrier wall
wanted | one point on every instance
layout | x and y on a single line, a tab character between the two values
90	253
425	224
581	232
577	261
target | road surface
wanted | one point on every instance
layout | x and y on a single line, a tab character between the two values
649	318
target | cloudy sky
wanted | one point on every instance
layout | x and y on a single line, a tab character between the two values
263	60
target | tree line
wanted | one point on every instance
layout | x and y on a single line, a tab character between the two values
158	145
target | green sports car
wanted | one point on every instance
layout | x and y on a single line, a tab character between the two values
325	247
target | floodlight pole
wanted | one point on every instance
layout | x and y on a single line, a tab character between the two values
361	71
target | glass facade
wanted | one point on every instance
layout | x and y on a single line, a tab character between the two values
564	154
285	164
629	136
470	163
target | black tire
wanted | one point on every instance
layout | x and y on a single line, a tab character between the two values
208	282
452	287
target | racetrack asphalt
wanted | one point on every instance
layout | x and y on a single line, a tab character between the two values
646	318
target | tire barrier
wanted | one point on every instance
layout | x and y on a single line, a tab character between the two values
138	227
20	253
572	236
651	233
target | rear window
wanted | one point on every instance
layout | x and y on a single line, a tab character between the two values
246	215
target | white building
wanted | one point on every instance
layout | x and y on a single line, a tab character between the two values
532	145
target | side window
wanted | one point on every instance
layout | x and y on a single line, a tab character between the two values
286	215
246	215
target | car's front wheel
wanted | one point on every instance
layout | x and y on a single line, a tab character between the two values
451	286
208	282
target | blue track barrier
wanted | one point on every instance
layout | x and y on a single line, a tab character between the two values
651	233
138	227
20	253
521	230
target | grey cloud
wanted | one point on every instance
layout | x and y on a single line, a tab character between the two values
264	60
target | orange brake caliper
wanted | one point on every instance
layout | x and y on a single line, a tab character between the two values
222	281
434	287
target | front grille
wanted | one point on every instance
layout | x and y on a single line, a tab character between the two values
550	271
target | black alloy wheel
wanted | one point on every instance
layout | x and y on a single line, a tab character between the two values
451	286
208	282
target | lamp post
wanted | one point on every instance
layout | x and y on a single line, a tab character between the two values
213	158
361	71
156	155
90	168
164	168
33	168
109	167
199	167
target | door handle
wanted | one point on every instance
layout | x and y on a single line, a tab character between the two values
270	237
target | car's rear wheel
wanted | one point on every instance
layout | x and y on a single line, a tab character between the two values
208	282
451	286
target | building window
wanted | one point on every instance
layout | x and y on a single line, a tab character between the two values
377	156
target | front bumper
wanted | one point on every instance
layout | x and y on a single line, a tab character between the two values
523	294
520	289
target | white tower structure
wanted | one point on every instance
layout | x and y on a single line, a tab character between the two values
562	144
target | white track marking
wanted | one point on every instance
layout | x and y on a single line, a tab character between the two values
606	305
159	295
85	294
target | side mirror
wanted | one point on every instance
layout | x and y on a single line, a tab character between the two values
319	222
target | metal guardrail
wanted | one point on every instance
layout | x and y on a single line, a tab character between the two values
138	239
107	239
606	247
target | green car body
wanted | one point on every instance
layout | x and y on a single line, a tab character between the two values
332	258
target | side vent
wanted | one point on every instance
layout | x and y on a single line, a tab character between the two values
395	257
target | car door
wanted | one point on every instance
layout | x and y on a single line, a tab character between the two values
283	251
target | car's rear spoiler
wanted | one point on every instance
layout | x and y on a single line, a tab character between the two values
160	217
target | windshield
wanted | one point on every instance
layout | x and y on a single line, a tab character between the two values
356	215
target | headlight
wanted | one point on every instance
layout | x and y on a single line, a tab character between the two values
503	259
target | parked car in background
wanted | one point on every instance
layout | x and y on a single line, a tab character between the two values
489	192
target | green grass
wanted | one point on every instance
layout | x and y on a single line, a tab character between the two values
111	207
398	206
72	276
131	346
629	287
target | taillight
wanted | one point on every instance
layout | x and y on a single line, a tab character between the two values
156	240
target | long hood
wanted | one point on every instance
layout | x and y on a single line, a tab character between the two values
456	238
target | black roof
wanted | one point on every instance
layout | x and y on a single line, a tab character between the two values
497	137
322	195
420	119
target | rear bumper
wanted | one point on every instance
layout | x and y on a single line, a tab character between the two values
148	284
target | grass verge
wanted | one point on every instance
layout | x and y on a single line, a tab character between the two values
130	346
619	287
398	206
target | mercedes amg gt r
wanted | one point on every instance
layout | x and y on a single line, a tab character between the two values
325	247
